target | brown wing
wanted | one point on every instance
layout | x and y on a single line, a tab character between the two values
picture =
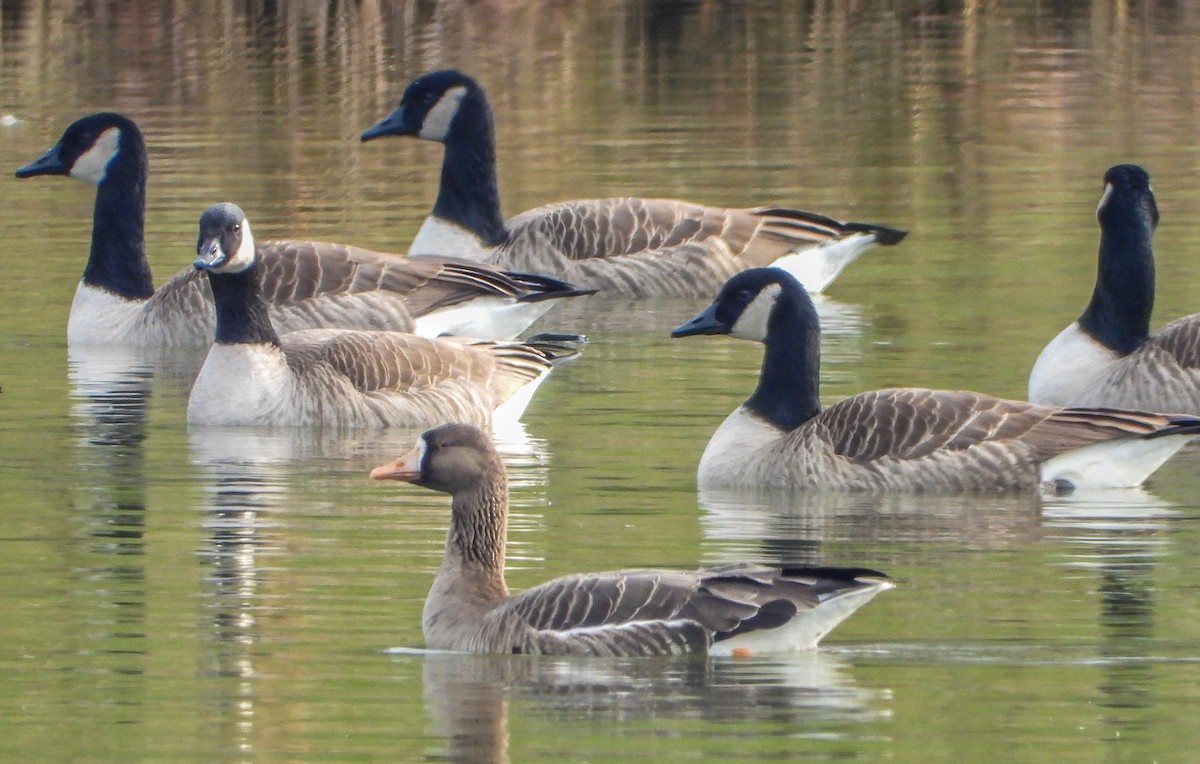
591	228
395	361
1181	340
294	271
655	612
913	423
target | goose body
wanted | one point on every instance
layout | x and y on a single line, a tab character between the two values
906	439
625	612
630	246
1109	357
306	284
341	377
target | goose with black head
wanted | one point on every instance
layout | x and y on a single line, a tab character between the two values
1109	356
306	284
343	377
909	439
628	246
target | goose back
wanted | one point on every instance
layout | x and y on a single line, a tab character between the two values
944	441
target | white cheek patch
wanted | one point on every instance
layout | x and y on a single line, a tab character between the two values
1108	192
419	462
436	125
92	165
243	258
752	324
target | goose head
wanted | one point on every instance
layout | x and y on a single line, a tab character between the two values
453	459
770	306
1127	199
226	244
89	147
431	107
752	305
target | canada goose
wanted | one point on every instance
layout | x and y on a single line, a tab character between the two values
633	247
308	284
624	612
903	439
1109	357
341	377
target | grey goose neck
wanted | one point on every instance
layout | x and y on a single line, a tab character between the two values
469	195
788	392
242	316
479	523
1118	315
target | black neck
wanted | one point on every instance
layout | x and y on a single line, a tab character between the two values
1119	314
118	257
788	392
242	316
469	194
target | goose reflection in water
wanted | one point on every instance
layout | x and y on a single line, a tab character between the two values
470	698
110	394
249	474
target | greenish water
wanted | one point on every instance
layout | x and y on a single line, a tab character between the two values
175	594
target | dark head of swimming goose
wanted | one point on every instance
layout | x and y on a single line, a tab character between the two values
89	147
225	249
430	106
769	305
225	244
107	150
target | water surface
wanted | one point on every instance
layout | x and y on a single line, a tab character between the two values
207	594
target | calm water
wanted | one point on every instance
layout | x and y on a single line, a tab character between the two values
176	594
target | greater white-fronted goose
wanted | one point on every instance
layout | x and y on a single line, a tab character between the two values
342	377
903	439
628	246
729	609
306	284
1109	357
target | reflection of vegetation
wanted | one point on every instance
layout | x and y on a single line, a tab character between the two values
975	125
984	128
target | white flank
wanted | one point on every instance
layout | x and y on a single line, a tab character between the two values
505	416
1068	368
439	237
244	384
752	323
731	454
1116	464
99	317
817	267
436	125
485	318
92	165
806	629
